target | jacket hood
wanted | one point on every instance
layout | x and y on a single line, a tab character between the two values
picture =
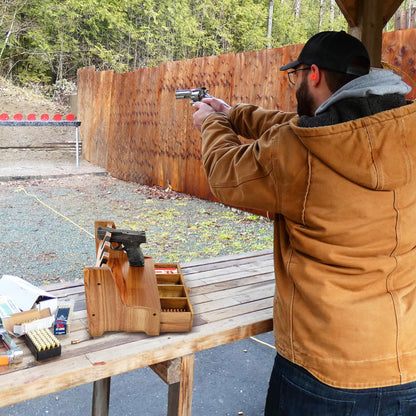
378	151
377	82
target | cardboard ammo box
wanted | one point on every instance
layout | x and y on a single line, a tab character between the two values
33	307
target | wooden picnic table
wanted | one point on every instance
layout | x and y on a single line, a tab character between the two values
232	298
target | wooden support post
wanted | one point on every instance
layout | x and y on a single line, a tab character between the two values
101	397
366	20
369	29
180	394
169	371
173	399
179	375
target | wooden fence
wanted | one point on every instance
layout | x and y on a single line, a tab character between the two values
133	126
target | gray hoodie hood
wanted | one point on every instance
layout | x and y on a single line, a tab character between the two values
377	82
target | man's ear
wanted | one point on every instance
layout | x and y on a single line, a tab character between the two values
315	75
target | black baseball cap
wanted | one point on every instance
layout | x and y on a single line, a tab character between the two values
334	51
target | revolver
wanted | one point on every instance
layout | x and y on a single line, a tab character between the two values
126	240
194	94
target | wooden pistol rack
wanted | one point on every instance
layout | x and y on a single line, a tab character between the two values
120	297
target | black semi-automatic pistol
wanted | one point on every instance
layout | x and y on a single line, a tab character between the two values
127	240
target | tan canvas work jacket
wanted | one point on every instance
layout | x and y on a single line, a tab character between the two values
345	234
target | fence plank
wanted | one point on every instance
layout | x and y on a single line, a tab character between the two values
172	128
87	102
399	50
120	147
145	135
94	89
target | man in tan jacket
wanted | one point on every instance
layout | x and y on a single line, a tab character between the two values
340	177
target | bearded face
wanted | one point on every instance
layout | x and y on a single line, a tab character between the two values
306	104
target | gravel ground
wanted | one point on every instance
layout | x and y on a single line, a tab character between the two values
48	225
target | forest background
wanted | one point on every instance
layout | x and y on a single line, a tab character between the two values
43	43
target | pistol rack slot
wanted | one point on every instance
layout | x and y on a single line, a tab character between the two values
119	297
171	291
168	279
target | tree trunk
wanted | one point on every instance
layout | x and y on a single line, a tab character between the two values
7	39
296	8
321	14
332	14
270	24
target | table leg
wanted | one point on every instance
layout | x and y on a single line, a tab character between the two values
180	393
101	397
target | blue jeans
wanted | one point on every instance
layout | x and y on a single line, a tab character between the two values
293	391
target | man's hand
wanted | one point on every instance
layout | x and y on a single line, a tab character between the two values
208	106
